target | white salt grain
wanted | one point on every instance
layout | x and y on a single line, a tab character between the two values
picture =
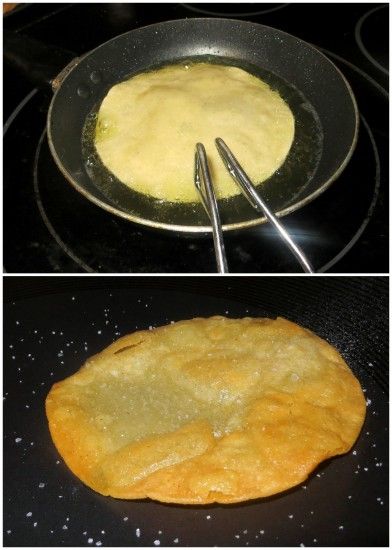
90	540
157	542
138	532
125	519
29	514
41	485
18	439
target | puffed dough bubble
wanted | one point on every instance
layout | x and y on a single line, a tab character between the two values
148	126
206	410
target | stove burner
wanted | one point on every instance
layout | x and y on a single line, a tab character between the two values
97	240
372	36
234	10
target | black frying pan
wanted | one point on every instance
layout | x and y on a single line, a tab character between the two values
318	94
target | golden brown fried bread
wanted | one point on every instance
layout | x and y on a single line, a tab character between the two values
148	127
206	410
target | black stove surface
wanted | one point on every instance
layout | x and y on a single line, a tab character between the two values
49	227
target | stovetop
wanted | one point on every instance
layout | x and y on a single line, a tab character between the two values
49	227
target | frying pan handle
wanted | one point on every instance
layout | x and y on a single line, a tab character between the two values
39	63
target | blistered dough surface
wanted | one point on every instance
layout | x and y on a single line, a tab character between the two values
206	410
148	127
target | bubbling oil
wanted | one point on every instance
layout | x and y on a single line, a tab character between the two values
281	188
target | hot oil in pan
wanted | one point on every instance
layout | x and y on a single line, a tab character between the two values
282	189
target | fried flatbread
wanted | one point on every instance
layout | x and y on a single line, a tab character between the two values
148	127
206	410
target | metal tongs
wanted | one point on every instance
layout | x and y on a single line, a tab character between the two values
203	183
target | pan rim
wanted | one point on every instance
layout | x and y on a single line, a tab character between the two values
199	228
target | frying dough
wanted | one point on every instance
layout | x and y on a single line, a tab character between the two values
148	127
206	410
